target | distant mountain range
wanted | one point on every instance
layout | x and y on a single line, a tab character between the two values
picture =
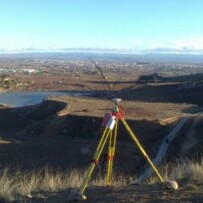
150	56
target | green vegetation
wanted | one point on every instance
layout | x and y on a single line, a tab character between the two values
6	82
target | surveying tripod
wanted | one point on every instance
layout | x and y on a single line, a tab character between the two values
110	124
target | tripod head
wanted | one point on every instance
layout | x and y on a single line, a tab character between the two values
116	100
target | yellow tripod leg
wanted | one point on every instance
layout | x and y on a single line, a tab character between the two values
109	161
141	148
96	156
112	148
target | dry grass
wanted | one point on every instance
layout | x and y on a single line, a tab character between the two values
186	172
25	184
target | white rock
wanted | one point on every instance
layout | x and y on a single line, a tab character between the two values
172	184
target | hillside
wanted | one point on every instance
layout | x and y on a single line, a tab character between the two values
79	120
63	132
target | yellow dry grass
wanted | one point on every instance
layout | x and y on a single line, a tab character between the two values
24	184
186	172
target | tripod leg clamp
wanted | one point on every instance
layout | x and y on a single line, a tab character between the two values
96	162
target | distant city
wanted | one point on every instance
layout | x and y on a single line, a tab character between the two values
165	64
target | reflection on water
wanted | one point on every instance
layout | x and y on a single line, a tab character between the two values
19	99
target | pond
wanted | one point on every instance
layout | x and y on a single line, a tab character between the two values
26	98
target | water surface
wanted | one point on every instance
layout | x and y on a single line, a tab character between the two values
24	98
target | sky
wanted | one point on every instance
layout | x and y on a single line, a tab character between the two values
133	26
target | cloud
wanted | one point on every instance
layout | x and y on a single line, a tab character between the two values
181	46
191	43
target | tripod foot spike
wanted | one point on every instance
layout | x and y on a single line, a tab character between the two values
76	196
